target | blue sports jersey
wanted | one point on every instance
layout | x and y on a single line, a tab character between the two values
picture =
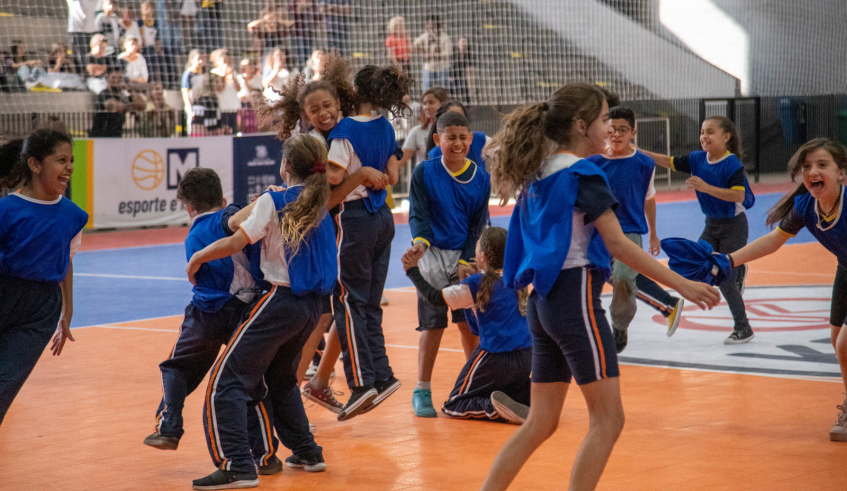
501	327
374	143
449	211
315	266
834	238
474	152
718	174
629	179
35	237
541	228
219	280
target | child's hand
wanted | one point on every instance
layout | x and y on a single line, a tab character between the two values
275	188
373	178
701	294
655	245
466	270
696	183
63	333
418	250
191	269
409	260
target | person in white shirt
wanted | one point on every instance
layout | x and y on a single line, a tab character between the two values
437	49
227	88
275	74
135	66
81	25
415	143
250	80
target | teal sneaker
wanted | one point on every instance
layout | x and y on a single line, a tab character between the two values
422	403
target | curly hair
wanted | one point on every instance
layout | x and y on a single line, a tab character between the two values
385	88
306	159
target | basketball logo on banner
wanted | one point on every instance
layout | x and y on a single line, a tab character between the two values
148	170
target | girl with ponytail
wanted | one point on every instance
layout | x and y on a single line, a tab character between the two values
501	364
298	259
561	234
40	231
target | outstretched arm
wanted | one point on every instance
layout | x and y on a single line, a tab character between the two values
761	247
660	158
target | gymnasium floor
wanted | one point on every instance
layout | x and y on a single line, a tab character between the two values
700	415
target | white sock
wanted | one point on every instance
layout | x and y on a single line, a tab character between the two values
423	385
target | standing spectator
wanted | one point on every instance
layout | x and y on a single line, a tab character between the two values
97	62
306	16
128	25
397	43
134	64
227	86
250	80
157	120
108	24
201	106
187	13
26	69
271	29
58	61
462	71
157	60
437	50
336	14
112	105
275	75
81	25
312	72
210	25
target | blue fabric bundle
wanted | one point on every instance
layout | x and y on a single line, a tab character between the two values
697	261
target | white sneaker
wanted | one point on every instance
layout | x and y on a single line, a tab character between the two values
310	372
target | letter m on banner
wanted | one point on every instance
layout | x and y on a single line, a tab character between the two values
180	161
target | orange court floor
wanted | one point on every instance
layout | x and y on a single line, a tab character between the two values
79	421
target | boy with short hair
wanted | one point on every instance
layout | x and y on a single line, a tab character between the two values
630	174
449	206
223	291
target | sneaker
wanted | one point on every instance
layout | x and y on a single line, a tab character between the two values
512	411
274	466
383	301
741	279
674	317
740	337
383	389
162	442
422	404
310	372
360	398
621	339
314	464
221	479
838	433
322	397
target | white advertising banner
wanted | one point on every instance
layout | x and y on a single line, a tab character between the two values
135	180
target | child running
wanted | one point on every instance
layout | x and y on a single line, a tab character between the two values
561	226
365	229
630	174
40	232
494	384
449	206
298	259
724	194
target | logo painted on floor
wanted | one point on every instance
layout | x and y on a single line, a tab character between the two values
791	326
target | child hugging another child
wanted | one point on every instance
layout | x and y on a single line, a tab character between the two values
494	384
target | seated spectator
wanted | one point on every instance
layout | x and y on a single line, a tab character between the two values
108	24
97	63
158	120
397	43
58	61
128	25
134	64
275	75
26	69
250	80
313	66
113	102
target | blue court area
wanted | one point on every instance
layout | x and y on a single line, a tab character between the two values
120	285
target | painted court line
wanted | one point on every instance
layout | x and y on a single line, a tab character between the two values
131	277
136	328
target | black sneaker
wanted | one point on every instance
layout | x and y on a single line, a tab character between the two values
741	279
620	339
383	389
740	337
227	480
162	442
311	464
274	466
360	398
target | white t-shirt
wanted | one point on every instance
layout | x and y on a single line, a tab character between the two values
263	224
81	15
136	69
416	140
247	86
341	153
148	33
437	53
228	99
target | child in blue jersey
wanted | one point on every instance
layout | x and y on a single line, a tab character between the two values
223	290
449	204
630	174
479	141
561	227
494	383
365	228
298	259
40	231
724	194
817	204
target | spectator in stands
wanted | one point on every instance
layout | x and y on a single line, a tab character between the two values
134	64
313	66
210	25
158	120
227	86
158	62
397	43
201	106
336	14
306	16
112	105
437	51
58	61
187	13
97	62
271	29
462	71
26	69
128	25
275	75
250	80
82	23
108	24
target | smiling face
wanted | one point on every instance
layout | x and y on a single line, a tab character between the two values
429	105
821	175
599	131
621	136
454	141
321	109
54	172
713	138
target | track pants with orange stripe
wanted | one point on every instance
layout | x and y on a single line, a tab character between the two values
268	344
364	249
485	372
654	295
